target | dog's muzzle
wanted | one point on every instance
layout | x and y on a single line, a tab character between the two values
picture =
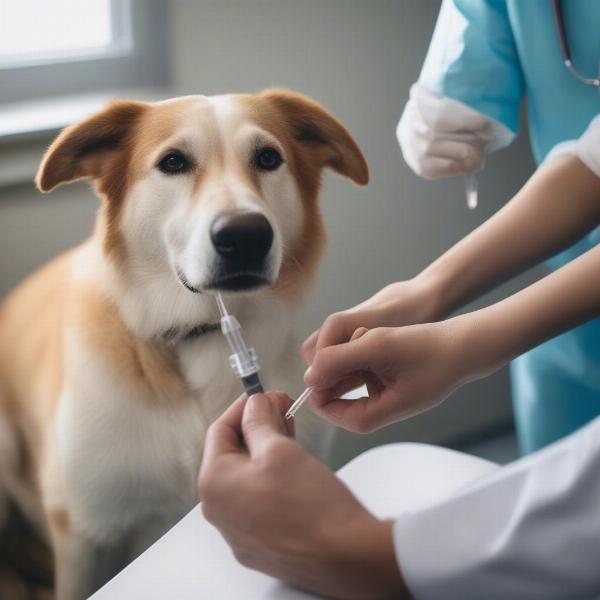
242	240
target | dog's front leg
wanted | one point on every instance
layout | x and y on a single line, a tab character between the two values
82	565
74	557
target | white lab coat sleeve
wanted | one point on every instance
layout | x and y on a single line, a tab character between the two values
530	531
586	148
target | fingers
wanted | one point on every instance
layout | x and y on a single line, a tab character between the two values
347	384
358	333
352	415
340	389
335	363
232	417
263	420
344	413
336	329
308	348
465	154
224	436
447	156
438	167
282	404
362	415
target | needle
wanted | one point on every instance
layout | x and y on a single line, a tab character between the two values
298	403
221	305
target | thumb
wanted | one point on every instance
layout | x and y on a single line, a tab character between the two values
261	422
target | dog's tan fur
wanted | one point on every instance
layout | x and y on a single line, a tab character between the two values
86	385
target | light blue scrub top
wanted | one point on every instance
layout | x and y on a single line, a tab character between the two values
489	54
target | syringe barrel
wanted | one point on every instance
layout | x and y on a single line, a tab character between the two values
244	360
231	329
252	384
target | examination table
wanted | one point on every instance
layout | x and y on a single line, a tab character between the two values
193	562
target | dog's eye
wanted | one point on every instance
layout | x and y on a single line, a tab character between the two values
174	163
267	159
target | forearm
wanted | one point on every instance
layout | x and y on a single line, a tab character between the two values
559	204
562	300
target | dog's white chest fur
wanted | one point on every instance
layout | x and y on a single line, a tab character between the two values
125	460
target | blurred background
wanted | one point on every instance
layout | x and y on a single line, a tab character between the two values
61	59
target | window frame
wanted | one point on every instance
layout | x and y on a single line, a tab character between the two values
138	58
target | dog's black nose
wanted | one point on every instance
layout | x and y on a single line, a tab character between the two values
243	236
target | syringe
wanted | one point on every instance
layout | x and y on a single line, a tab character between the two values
293	409
244	361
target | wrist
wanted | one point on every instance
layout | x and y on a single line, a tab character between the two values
480	347
363	551
432	293
385	568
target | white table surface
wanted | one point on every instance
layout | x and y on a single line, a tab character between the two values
193	562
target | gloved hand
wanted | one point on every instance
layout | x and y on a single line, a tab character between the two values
440	137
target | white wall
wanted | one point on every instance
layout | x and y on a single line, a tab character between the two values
358	58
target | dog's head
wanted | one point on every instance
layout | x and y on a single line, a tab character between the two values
220	191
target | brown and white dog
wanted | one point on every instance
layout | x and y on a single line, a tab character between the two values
111	363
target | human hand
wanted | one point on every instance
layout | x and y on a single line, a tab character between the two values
402	303
441	137
287	515
407	370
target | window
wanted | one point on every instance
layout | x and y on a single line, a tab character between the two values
54	48
38	32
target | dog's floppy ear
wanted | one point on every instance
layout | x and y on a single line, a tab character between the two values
81	150
314	128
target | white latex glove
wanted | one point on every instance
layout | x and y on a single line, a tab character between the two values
440	137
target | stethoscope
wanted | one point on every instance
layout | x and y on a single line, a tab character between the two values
471	180
566	51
